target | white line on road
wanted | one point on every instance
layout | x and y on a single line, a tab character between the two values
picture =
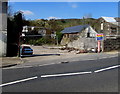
100	70
67	74
14	82
48	64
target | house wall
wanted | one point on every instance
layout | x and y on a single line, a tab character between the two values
3	28
83	43
0	15
108	28
91	31
69	37
3	43
81	40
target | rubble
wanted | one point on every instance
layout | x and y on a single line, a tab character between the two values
74	50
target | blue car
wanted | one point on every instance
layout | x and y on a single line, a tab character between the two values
26	51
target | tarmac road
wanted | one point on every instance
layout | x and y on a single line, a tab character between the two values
100	75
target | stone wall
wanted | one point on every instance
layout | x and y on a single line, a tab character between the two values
111	44
83	43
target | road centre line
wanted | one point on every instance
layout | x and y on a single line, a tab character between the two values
78	73
58	75
66	74
100	70
14	82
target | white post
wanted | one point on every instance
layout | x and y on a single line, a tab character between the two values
99	45
102	26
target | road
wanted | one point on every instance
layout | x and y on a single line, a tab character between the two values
99	75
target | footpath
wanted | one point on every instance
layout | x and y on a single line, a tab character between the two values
10	61
51	55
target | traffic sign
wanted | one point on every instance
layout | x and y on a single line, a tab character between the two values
99	36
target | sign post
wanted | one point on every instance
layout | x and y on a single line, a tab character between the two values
99	37
99	44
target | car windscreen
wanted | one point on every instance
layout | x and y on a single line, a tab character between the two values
26	47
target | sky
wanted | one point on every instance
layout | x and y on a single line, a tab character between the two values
65	10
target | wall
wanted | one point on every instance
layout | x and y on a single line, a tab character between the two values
83	43
3	28
0	16
4	16
109	28
80	40
3	45
111	44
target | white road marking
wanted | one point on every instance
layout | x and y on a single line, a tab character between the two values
48	64
14	82
100	70
58	75
67	74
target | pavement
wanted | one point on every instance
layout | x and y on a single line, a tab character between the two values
43	55
10	61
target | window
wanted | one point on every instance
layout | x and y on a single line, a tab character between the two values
88	34
113	30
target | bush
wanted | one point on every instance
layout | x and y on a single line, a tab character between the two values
40	41
59	35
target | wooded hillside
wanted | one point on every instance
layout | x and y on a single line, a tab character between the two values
59	24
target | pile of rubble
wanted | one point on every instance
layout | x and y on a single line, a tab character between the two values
79	51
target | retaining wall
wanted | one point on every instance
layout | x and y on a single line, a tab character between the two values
83	43
111	44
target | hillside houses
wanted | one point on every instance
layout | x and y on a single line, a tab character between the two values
79	35
35	31
84	36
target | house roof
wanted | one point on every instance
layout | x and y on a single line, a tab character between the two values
109	19
116	23
74	29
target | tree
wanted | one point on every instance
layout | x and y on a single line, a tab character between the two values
14	30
